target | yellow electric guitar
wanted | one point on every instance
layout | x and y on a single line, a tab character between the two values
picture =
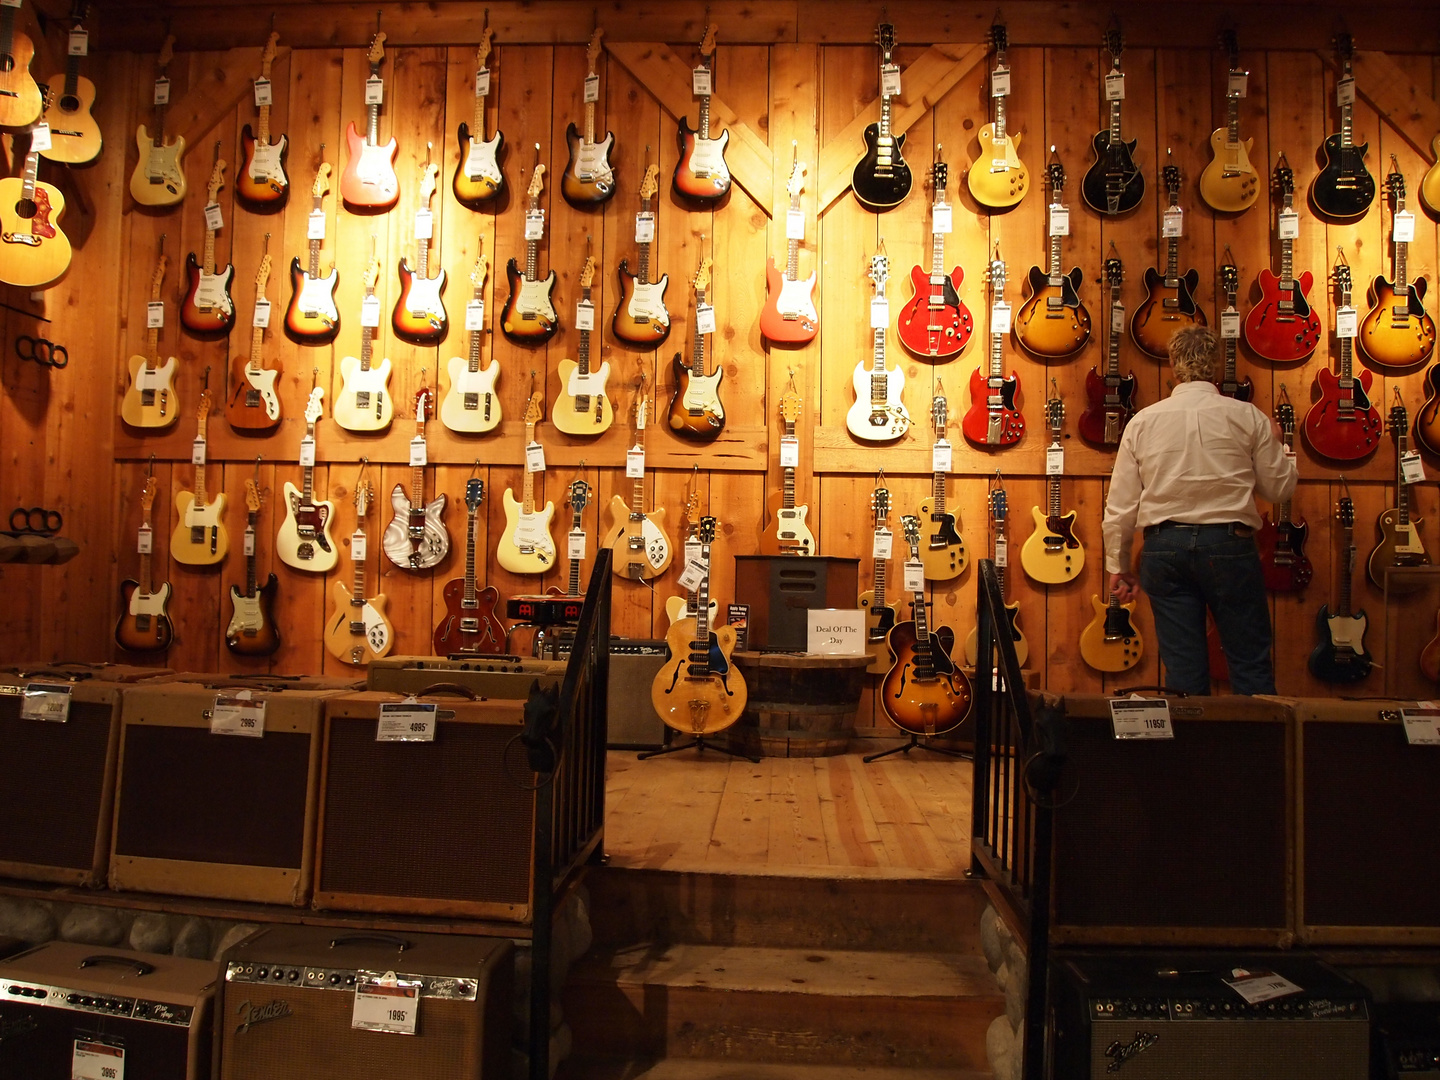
525	545
1053	555
159	176
150	400
1230	182
583	407
1111	642
200	538
997	177
358	630
641	548
1000	550
787	533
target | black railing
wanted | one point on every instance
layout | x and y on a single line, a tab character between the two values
1016	764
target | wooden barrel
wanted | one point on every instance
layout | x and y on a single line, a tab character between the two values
799	705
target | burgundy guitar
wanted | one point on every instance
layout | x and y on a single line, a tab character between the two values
1281	538
936	324
1109	398
1343	425
470	625
1283	327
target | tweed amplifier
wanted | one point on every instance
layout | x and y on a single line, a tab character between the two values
489	676
780	589
70	1010
293	995
1167	1016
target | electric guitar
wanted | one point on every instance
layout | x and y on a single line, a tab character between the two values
589	179
74	135
364	402
368	183
882	177
1053	555
1342	425
641	318
1399	532
1000	552
419	316
879	413
1281	538
923	693
253	405
252	630
312	317
641	549
695	408
789	314
416	538
304	540
1169	300
1230	183
469	624
680	607
1427	422
144	624
471	405
1344	188
1231	385
34	251
697	691
1113	185
997	177
936	324
1430	194
208	310
577	497
528	317
879	616
701	174
200	538
150	400
583	407
159	176
1053	323
1340	655
525	545
261	183
994	418
358	631
478	176
1397	333
787	533
1109	398
1283	327
1110	641
943	551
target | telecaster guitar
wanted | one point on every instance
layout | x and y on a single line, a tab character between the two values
200	537
583	405
471	404
253	405
150	400
144	624
364	403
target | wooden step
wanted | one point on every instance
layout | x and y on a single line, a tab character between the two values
811	1006
577	1068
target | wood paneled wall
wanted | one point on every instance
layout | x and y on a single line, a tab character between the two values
64	445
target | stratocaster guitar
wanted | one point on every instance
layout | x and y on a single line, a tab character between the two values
1340	655
589	178
1114	184
636	538
150	400
1169	300
525	545
583	407
261	183
34	251
879	615
358	631
208	311
1342	425
789	314
74	134
369	184
882	177
942	548
1230	183
1053	555
936	324
364	402
253	405
1109	398
419	316
159	176
997	177
528	317
478	176
1398	333
144	624
641	318
1281	539
1283	327
469	624
416	538
304	540
252	630
701	174
1399	544
679	607
1000	553
470	404
1053	323
1110	641
1231	385
994	418
787	533
879	413
1344	188
696	411
312	317
200	538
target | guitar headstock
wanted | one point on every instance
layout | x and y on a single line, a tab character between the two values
707	41
537	182
587	272
482	51
1399	420
1395	183
578	496
377	48
1345	49
995	275
268	56
372	274
1114	45
790	407
474	494
482	267
1057	178
1284	179
534	408
706	531
217	181
650	183
321	187
202	408
1346	512
910	524
702	276
262	276
880	506
424	404
1285	415
999	38
939	415
940	177
428	173
1170	174
1055	416
1114	273
364	496
999	506
1343	282
167	52
885	38
879	272
252	496
313	410
593	50
1230	280
796	183
1231	44
147	495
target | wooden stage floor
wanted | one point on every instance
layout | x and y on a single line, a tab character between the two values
905	816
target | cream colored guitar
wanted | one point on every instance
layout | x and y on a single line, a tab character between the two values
641	549
788	534
680	607
358	630
471	405
1110	642
1053	555
364	403
159	176
200	538
583	407
997	177
304	540
525	545
150	400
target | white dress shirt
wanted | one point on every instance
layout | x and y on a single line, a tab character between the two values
1197	457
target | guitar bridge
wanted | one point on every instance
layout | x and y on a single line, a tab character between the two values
252	398
142	623
472	402
362	399
305	551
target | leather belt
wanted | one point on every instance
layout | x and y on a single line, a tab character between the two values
1234	528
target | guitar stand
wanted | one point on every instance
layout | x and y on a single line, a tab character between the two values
701	745
916	744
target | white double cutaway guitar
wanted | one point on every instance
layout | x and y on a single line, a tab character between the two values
582	406
470	404
416	538
636	538
304	540
879	413
525	545
364	403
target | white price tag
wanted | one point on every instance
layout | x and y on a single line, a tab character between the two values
79	44
162	89
374	90
1059	221
1117	318
914	577
249	542
534	224
1258	986
1345	92
789	452
1422	725
1000	82
482	82
693	575
884	544
592	88
1404	227
1000	318
584	315
315	225
1115	86
694	549
370	311
577	545
1411	469
1346	323
890	80
942	221
197	453
700	82
97	1061
879	313
1287	225
534	458
154	314
1230	324
1141	718
40	138
419	454
1002	552
406	721
1172	224
645	228
264	93
635	463
144	541
705	319
1238	85
238	715
385	1003
46	701
1054	461
941	457
307	452
424	224
358	549
262	314
795	225
475	315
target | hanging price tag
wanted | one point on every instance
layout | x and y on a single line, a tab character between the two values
1000	318
97	1061
1287	225
1115	86
1238	85
1422	725
197	453
1117	318
645	228
264	93
357	547
879	313
705	319
79	43
154	314
694	550
941	455
162	90
694	574
307	452
238	715
1054	461
1345	322
315	225
1059	221
700	82
890	80
406	721
534	224
419	455
370	311
385	1003
144	541
577	545
249	542
1141	718
46	701
1345	92
534	458
942	220
1258	986
635	463
424	224
482	82
914	577
1000	82
1411	469
475	315
1230	324
1002	552
795	225
584	315
374	90
884	544
1172	224
592	88
40	138
789	452
262	314
1404	227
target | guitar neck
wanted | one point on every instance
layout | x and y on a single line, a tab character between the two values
1117	310
1347	359
997	355
705	105
1345	578
583	363
590	121
367	340
999	136
257	340
700	647
697	352
1172	259
316	207
209	262
1115	123
937	492
357	597
158	138
1055	242
997	546
528	506
72	74
470	599
476	335
262	125
1347	118
200	499
532	252
574	588
417	475
372	114
1402	249
422	258
937	256
477	120
787	496
1230	345
251	586
307	474
879	381
1282	511
924	657
1232	117
643	268
792	248
1287	258
146	582
1402	489
1052	484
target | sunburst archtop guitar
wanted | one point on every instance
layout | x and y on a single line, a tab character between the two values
1053	323
1169	300
1398	333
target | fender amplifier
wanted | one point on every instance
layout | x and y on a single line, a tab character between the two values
780	589
70	1010
1167	1016
290	1003
488	676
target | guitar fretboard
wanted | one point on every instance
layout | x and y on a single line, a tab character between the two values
469	600
787	495
699	667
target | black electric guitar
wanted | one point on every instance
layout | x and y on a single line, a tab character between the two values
879	614
882	178
1340	655
1114	184
1231	385
1344	188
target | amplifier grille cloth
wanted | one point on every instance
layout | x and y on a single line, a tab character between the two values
1228	1049
53	780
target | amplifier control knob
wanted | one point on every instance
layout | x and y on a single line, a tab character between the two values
334	980
260	973
279	974
294	976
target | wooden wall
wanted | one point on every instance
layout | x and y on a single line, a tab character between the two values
64	445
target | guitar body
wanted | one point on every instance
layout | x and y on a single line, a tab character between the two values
1279	336
787	533
640	552
1022	647
1241	390
1093	420
369	181
1430	655
528	317
942	550
312	317
261	183
525	545
641	318
419	316
252	630
473	630
878	621
1399	545
1427	420
881	186
695	705
1107	651
200	538
695	409
885	423
74	133
19	95
924	707
588	179
1112	162
1430	186
253	405
144	624
159	176
1391	340
1337	439
789	314
930	332
1002	428
1282	555
701	174
416	539
1054	331
33	249
1155	322
678	607
1344	188
470	404
1229	183
304	540
163	408
1340	655
478	177
358	636
597	413
207	311
1052	555
997	190
363	403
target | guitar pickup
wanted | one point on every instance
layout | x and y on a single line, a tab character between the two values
1054	303
469	626
362	399
472	402
1401	311
1170	302
357	626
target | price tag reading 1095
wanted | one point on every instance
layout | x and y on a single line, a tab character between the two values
406	721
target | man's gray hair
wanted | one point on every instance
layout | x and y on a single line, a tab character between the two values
1193	356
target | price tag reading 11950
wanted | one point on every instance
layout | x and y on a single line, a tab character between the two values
406	721
1141	718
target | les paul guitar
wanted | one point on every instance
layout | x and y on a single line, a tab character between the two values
1281	539
1169	300
1109	398
942	548
789	314
1000	552
34	251
368	183
471	404
1344	188
1110	642
208	311
1053	323
150	400
1399	544
159	176
879	615
636	537
200	538
1231	385
1340	655
1342	425
253	406
997	177
261	183
1114	184
1230	183
525	545
882	177
701	174
641	318
312	317
583	407
144	624
936	324
696	411
478	176
304	540
359	630
1053	555
252	630
528	317
787	533
419	316
416	538
1398	333
589	178
1283	327
469	624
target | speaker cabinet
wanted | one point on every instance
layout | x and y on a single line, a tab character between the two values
1407	1041
146	1017
1176	841
289	995
487	676
780	589
1116	1015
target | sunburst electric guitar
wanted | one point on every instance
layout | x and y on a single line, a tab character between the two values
936	324
701	174
479	177
1283	327
200	537
252	630
942	548
589	178
1053	323
583	405
1340	655
312	317
636	537
364	402
159	176
144	624
879	413
304	540
368	183
787	533
260	182
1399	544
470	404
789	314
879	615
150	400
1230	183
253	405
1109	397
469	624
525	545
997	177
1169	300
994	420
696	411
416	538
1000	552
419	316
1398	333
74	134
358	631
528	317
1053	555
34	251
641	318
208	311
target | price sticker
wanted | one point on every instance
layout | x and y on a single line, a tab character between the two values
795	225
424	224
46	701
705	319
645	228
534	224
534	458
357	547
1287	225
1345	91
475	315
264	93
694	550
1238	85
385	1003
884	544
1172	224
197	453
789	452
370	311
374	90
700	82
162	89
1002	552
1000	318
584	315
419	455
577	545
941	457
154	314
635	463
1230	324
238	715
879	313
40	138
694	574
145	540
482	82
315	225
406	721
890	80
1117	318
1059	221
592	88
1346	322
1115	86
1258	986
1422	724
942	220
914	577
1404	227
97	1061
1000	82
262	314
307	452
79	43
1054	461
1141	718
249	542
1411	469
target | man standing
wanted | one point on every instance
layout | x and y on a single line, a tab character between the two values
1187	472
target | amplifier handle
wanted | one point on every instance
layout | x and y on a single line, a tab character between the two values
374	939
1157	688
449	688
140	966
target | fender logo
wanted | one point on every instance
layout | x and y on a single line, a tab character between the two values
257	1014
1123	1052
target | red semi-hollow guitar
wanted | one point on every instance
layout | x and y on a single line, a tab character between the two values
1342	425
1283	327
936	324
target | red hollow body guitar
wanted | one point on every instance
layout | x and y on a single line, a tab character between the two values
1283	327
936	324
1342	425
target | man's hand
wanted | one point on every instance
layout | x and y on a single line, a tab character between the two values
1126	587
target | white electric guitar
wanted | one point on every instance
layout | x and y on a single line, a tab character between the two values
304	540
879	413
637	539
364	403
416	538
471	404
525	545
583	407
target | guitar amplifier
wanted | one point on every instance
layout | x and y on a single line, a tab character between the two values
289	1002
1368	871
1176	841
781	589
1407	1041
1117	1015
71	1010
488	676
224	816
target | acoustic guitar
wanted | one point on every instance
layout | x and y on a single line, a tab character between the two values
994	419
636	537
260	183
1053	555
1169	300
304	539
1281	539
879	615
200	537
1053	323
469	624
1231	385
1340	655
696	411
1000	553
789	316
1399	543
1230	183
528	317
641	318
1398	333
369	183
419	316
358	631
144	624
942	550
479	177
879	413
787	533
416	538
20	102
364	402
525	545
150	400
583	407
208	311
1109	397
253	406
34	250
1342	424
701	174
159	176
1344	189
1113	185
589	178
1283	327
470	404
997	177
74	133
936	324
312	317
882	177
1110	641
252	630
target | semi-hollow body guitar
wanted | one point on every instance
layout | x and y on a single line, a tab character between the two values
635	537
1283	327
1398	333
253	406
1169	302
936	324
1053	322
1342	424
358	631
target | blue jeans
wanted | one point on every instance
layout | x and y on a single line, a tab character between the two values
1185	569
